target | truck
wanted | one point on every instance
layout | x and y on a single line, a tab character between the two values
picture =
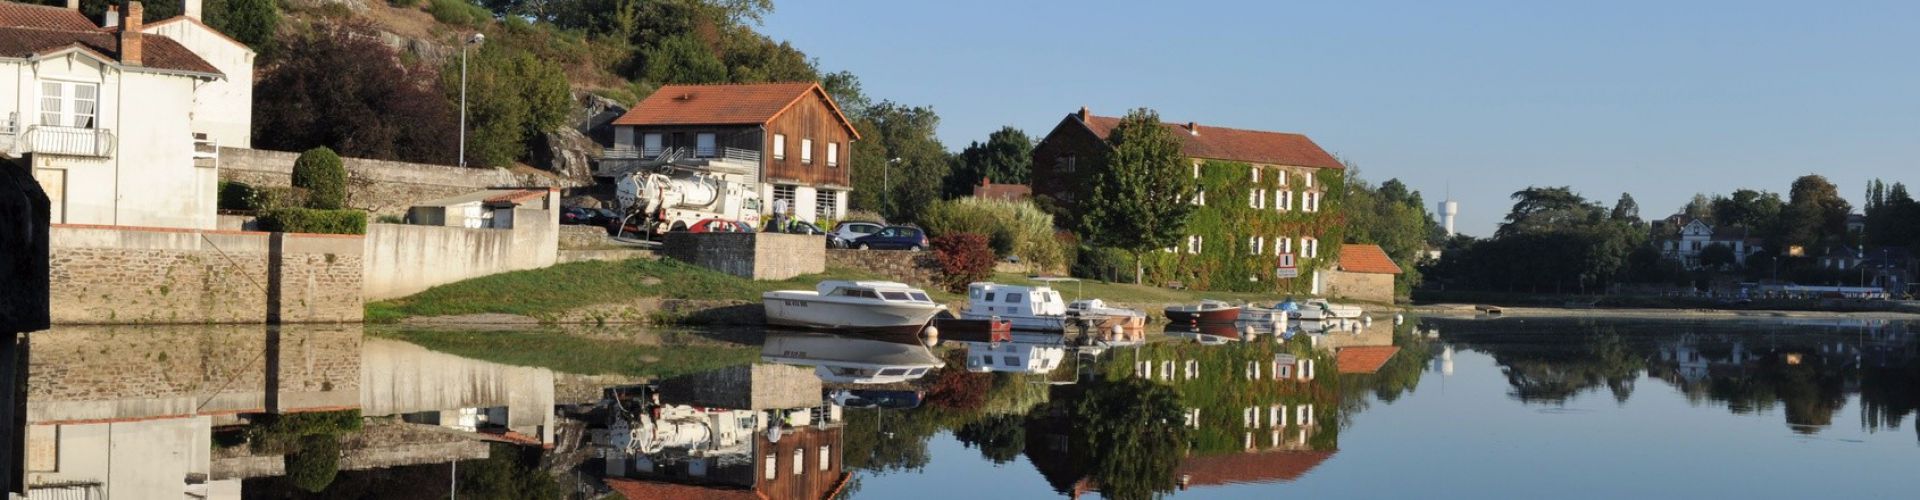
656	201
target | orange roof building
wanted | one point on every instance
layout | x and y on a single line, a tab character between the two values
1363	359
1370	259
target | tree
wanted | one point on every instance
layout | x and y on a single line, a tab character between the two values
1626	210
1815	215
343	89
320	172
682	59
1537	209
252	22
1700	207
964	258
1717	256
1392	217
313	467
512	97
1000	438
903	163
1129	434
1006	158
1142	196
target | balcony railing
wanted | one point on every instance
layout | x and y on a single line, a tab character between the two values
672	154
69	141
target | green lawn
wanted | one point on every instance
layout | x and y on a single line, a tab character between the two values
581	355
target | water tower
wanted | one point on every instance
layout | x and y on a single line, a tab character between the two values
1448	211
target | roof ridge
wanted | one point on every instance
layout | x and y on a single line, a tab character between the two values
736	84
1183	125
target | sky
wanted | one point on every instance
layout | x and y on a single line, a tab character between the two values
1476	99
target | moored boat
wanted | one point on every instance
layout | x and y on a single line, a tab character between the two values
1207	311
852	360
1320	310
1027	308
853	307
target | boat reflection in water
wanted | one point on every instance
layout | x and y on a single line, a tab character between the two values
880	359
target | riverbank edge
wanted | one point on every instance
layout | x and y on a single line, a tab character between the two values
1470	311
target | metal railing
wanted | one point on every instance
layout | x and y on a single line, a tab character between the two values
70	141
671	154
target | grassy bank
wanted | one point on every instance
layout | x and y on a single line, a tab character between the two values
580	355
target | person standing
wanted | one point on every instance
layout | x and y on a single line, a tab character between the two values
779	222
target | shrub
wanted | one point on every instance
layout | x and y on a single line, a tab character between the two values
270	198
460	12
404	3
343	88
308	220
318	461
1103	263
238	196
964	258
864	216
959	390
320	172
1012	227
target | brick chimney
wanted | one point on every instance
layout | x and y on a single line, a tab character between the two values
130	42
1083	113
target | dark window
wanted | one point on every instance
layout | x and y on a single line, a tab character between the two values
893	371
894	295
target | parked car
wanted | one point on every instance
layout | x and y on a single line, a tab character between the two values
719	226
862	398
893	238
604	216
576	215
844	233
801	227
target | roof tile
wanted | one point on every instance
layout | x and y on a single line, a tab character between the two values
1252	146
31	30
1368	259
724	104
1363	359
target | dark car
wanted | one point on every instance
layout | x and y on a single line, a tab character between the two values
720	226
576	215
801	227
861	398
894	238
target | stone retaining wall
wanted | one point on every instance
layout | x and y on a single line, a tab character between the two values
91	373
403	259
1360	286
913	268
760	256
116	274
378	186
579	237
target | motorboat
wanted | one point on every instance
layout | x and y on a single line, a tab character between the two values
1207	311
1028	308
852	306
1103	320
1013	357
852	360
1320	310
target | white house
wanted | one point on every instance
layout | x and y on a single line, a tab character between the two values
223	108
1697	235
107	118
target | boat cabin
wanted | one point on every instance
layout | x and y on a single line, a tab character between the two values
881	290
993	299
1013	357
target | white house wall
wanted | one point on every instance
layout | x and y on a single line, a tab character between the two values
223	108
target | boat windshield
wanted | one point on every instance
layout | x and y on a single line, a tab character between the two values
921	297
893	371
855	292
895	295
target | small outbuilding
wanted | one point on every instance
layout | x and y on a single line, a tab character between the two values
1365	272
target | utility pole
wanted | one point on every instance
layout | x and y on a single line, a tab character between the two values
471	41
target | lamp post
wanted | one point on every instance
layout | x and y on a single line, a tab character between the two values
886	181
471	41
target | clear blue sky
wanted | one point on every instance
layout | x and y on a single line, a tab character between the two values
1661	99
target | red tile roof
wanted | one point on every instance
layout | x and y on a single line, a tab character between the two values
1262	467
28	31
652	490
1009	192
729	104
1368	259
1363	359
1221	143
517	196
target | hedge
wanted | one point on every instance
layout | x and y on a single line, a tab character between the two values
321	173
311	220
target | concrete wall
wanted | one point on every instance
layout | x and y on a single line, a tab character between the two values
156	275
109	373
402	259
1360	286
398	377
913	268
145	459
381	187
760	256
576	237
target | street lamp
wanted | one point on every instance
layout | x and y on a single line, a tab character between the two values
471	41
886	181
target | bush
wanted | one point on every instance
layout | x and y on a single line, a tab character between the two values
238	196
964	258
863	216
320	172
1103	263
308	220
404	3
1012	228
314	466
460	12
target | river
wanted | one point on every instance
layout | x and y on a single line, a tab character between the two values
1582	408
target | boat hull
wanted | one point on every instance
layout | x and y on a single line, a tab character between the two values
1225	315
814	313
1050	324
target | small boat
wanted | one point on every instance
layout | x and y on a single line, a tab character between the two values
852	360
1320	309
1028	308
1101	319
973	330
1207	311
1269	317
852	306
1014	357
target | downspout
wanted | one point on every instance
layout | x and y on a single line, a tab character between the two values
119	115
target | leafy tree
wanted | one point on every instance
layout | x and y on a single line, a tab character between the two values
1700	207
1756	210
512	97
320	172
1000	438
900	160
1717	256
682	59
252	22
1893	217
508	473
1006	158
1394	218
1815	215
845	89
1142	196
1626	210
343	89
1537	209
1129	434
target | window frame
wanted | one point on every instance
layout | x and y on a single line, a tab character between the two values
779	146
833	154
806	151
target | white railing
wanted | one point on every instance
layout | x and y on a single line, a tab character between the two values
745	155
206	148
70	141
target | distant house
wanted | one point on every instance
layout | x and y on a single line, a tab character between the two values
1364	272
1007	192
791	138
119	125
1696	235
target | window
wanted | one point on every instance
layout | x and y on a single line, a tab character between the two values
1010	360
1310	247
799	461
779	146
806	151
1255	173
826	454
1256	245
68	104
1200	198
705	145
1015	298
826	204
650	145
989	297
1284	245
833	154
1066	163
1308	177
1282	179
1284	200
1196	169
772	464
1194	243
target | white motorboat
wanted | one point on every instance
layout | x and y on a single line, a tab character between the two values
1029	308
1320	310
852	360
852	306
1109	324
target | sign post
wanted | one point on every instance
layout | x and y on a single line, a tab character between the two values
1285	267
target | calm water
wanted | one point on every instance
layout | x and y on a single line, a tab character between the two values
1436	408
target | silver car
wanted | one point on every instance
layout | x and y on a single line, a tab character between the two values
844	233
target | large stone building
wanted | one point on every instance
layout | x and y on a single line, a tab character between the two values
121	124
1269	202
792	137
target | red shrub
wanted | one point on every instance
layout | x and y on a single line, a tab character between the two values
954	388
964	258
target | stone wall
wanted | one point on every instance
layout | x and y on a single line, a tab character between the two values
760	256
403	259
91	373
913	268
381	187
579	237
1360	286
108	274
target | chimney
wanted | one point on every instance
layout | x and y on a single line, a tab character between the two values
1083	113
191	9
1193	128
73	4
112	19
130	34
